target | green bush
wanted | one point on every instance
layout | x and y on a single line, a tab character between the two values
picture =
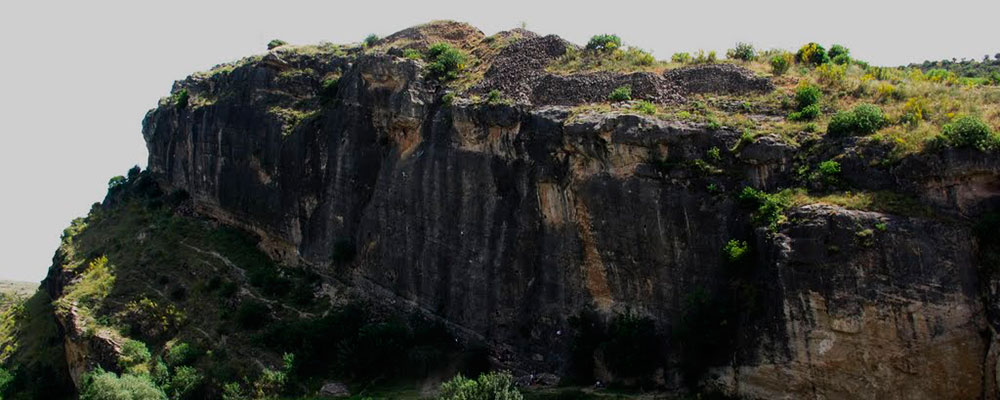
412	54
780	64
714	154
742	51
769	208
133	353
181	99
842	59
812	54
184	382
829	172
444	62
448	99
604	42
370	40
275	43
735	250
494	97
5	380
838	50
864	119
488	386
969	131
182	354
829	168
808	113
101	385
807	95
621	93
994	78
683	58
645	107
116	182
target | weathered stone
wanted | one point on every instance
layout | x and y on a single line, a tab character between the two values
505	220
335	390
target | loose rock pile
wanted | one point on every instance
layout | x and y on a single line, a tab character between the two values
717	78
520	65
518	72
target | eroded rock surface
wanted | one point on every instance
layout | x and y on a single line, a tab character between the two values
505	220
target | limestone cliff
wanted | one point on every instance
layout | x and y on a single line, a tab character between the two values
504	219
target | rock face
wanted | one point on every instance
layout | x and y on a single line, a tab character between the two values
505	220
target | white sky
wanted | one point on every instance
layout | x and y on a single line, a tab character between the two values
76	77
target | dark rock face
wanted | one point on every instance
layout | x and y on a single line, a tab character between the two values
595	87
504	221
718	78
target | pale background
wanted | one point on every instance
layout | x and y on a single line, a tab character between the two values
76	77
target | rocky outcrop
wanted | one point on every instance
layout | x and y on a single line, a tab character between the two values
874	306
504	220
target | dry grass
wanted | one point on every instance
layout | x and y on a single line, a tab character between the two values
887	202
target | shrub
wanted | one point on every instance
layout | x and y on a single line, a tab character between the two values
632	349
735	250
233	391
102	385
969	131
444	62
494	97
829	169
5	379
184	381
621	93
116	182
370	40
412	54
837	51
182	354
636	56
742	51
275	43
133	354
807	95
448	98
808	113
681	58
181	99
769	207
940	76
270	382
913	110
886	91
645	107
488	386
831	74
864	119
812	54
842	59
714	153
604	42
780	63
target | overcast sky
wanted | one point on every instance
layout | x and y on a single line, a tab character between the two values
76	77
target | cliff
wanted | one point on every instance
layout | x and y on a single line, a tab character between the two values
514	202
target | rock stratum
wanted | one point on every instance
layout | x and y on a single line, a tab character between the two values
508	220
